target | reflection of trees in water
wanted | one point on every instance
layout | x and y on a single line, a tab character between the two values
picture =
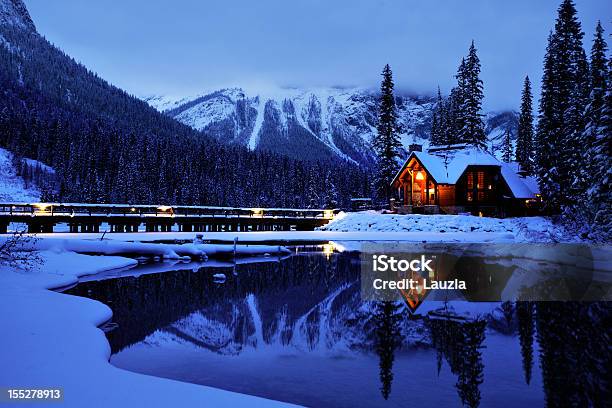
575	357
459	343
526	328
573	337
387	320
291	287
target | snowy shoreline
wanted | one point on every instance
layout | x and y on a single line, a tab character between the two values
57	342
470	228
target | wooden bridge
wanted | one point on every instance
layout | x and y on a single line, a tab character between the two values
43	217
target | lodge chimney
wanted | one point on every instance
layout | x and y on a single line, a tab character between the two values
415	147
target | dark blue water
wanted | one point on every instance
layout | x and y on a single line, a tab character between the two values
297	330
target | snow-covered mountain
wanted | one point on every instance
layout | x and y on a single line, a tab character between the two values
310	123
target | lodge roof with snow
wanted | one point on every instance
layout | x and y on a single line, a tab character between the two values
461	175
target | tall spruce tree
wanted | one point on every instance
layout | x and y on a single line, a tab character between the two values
457	105
562	104
507	147
600	158
437	129
387	142
597	137
524	141
472	126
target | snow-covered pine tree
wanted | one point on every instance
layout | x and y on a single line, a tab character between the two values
443	120
331	192
524	141
452	115
457	106
599	196
562	104
437	126
507	147
546	142
472	126
387	142
599	82
434	138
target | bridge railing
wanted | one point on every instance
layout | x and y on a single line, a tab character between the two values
126	210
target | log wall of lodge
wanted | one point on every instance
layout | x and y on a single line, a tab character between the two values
480	189
457	179
446	195
43	217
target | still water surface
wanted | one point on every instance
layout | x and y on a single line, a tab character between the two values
297	330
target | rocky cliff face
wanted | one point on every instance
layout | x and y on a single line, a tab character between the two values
310	123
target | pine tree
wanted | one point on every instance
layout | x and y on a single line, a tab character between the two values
599	193
524	141
472	126
387	142
457	106
437	122
507	147
435	129
599	82
526	328
388	338
598	139
561	111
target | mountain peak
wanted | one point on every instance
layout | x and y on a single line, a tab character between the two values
14	12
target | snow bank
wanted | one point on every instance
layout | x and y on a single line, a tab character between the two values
523	229
140	249
313	237
52	340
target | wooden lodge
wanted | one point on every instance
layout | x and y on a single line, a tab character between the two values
456	179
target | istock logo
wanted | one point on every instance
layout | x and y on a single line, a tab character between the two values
385	263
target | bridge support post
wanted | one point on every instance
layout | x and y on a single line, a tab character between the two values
4	227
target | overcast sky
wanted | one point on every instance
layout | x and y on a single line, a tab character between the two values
188	46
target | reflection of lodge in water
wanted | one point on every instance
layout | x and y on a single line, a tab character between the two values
573	345
484	281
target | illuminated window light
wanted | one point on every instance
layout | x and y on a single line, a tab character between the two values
419	175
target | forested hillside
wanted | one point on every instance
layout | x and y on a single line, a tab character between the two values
107	146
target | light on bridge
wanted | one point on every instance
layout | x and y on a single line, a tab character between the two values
41	206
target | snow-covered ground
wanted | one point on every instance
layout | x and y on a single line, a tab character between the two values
52	340
12	187
300	236
59	344
187	251
521	229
